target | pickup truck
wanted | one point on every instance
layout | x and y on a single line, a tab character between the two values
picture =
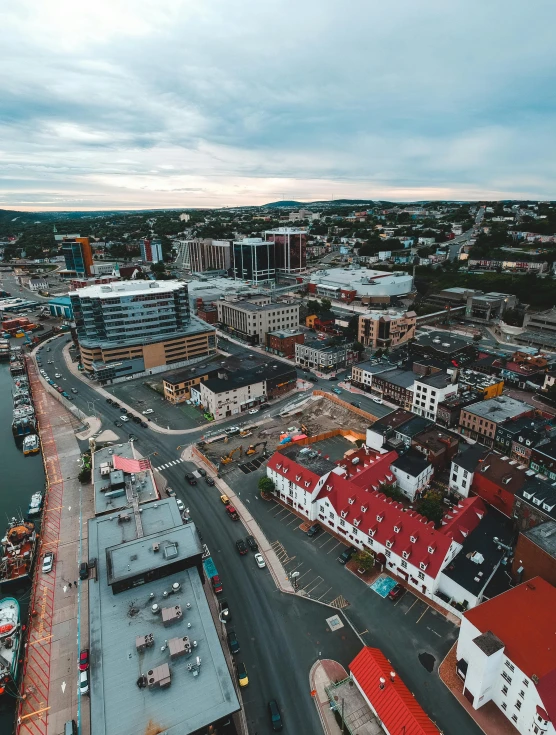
232	512
212	573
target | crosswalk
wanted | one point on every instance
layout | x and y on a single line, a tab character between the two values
168	464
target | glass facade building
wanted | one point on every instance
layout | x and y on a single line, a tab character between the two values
254	260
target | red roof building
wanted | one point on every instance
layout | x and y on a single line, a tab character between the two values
388	696
506	653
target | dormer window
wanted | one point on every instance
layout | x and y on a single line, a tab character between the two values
356	522
297	478
405	554
344	513
307	483
413	539
351	501
329	487
379	518
431	549
364	509
389	544
372	531
278	466
285	470
423	565
397	528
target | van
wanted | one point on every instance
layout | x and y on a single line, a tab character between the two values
70	728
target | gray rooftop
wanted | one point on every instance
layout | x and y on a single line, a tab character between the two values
442	342
310	459
488	643
544	536
399	377
118	705
374	367
109	495
469	455
436	380
499	409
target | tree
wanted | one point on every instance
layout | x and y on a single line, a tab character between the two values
266	485
364	560
431	507
325	305
391	491
513	317
358	347
84	476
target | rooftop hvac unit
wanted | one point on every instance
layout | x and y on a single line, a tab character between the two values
155	609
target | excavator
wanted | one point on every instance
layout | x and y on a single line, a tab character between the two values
229	457
253	448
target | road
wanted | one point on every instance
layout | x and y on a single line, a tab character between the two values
280	637
455	245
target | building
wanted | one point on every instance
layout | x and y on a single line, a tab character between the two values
437	445
153	642
386	329
395	385
448	412
37	284
539	330
388	432
518	437
346	499
485	308
387	696
413	473
480	420
365	284
138	327
290	249
78	255
535	502
231	393
151	251
543	459
283	341
118	473
177	384
303	214
497	479
463	467
523	369
210	255
429	391
535	554
443	346
254	260
323	322
251	317
324	355
61	307
76	283
362	374
510	659
488	386
207	312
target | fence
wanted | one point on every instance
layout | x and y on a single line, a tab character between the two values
340	402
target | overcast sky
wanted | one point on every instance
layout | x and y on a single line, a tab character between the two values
154	103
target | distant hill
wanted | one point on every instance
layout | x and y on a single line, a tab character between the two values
324	203
285	203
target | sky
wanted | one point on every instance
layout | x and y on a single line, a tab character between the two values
120	104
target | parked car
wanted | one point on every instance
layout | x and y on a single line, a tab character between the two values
225	613
110	401
48	562
357	404
260	561
118	424
209	480
83	570
253	410
241	547
116	405
124	418
124	410
170	492
84	682
314	530
147	411
232	430
60	390
136	419
251	543
144	424
242	674
376	400
232	641
181	505
74	390
275	716
58	375
346	555
84	660
396	592
337	391
225	499
202	471
333	377
191	479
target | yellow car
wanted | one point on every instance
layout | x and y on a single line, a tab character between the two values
225	499
242	674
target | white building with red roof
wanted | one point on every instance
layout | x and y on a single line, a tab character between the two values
506	654
346	498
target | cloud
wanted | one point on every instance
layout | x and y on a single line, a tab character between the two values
214	102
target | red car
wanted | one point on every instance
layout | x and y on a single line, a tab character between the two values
84	660
396	592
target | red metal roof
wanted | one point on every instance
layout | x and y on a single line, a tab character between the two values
524	620
395	705
131	465
289	468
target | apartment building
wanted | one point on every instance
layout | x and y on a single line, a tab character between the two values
431	390
395	385
78	255
324	355
138	327
386	329
151	251
480	421
210	255
252	317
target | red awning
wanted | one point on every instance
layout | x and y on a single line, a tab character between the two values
131	465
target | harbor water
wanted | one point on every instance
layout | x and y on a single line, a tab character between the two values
20	477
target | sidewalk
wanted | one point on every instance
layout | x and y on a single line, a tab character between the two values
323	674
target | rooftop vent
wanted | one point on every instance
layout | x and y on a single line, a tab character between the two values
171	615
144	641
159	677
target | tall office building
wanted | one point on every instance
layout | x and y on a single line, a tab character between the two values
209	255
132	327
254	260
290	249
151	251
78	255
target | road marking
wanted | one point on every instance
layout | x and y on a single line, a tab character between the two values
299	578
434	631
63	687
334	547
424	611
315	587
416	601
324	593
311	582
295	518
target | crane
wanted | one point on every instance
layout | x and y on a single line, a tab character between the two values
253	447
229	457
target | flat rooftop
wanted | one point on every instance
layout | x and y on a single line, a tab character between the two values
261	373
119	706
311	460
128	288
108	498
544	536
499	409
401	378
442	342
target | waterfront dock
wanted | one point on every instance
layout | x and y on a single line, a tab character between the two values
58	620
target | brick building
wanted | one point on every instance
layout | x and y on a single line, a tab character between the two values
480	420
535	554
283	342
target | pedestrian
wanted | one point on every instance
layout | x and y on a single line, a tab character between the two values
75	583
69	583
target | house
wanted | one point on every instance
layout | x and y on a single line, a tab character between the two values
413	473
347	498
480	420
496	481
38	284
535	502
510	659
429	391
463	467
535	554
437	444
384	429
388	697
543	459
395	385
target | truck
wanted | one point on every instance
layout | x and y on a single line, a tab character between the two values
232	512
212	574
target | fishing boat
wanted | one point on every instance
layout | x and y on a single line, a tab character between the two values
18	549
35	505
31	444
10	642
24	421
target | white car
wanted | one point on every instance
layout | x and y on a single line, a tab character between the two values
84	682
48	562
50	362
377	400
253	410
181	505
57	375
147	411
260	561
124	418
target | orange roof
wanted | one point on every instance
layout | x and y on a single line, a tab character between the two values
395	705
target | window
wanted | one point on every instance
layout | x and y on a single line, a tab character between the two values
388	553
421	575
506	677
526	682
522	694
518	704
510	666
514	718
504	705
342	522
504	690
404	565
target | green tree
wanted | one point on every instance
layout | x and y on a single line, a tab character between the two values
431	507
266	485
364	560
391	491
84	476
513	317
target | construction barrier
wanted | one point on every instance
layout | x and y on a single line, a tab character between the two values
334	398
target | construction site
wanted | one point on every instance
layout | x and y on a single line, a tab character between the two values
303	422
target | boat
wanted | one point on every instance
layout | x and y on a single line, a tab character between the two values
10	643
31	444
35	505
24	421
18	549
